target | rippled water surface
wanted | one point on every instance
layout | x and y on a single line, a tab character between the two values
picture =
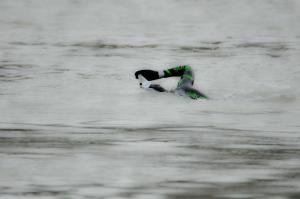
75	124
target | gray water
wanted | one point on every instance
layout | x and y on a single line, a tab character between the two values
75	124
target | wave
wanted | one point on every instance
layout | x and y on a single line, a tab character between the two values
20	43
274	46
11	72
14	66
199	48
98	127
104	45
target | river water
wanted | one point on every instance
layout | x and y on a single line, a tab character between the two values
75	124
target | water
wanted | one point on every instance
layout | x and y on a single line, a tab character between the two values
75	124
